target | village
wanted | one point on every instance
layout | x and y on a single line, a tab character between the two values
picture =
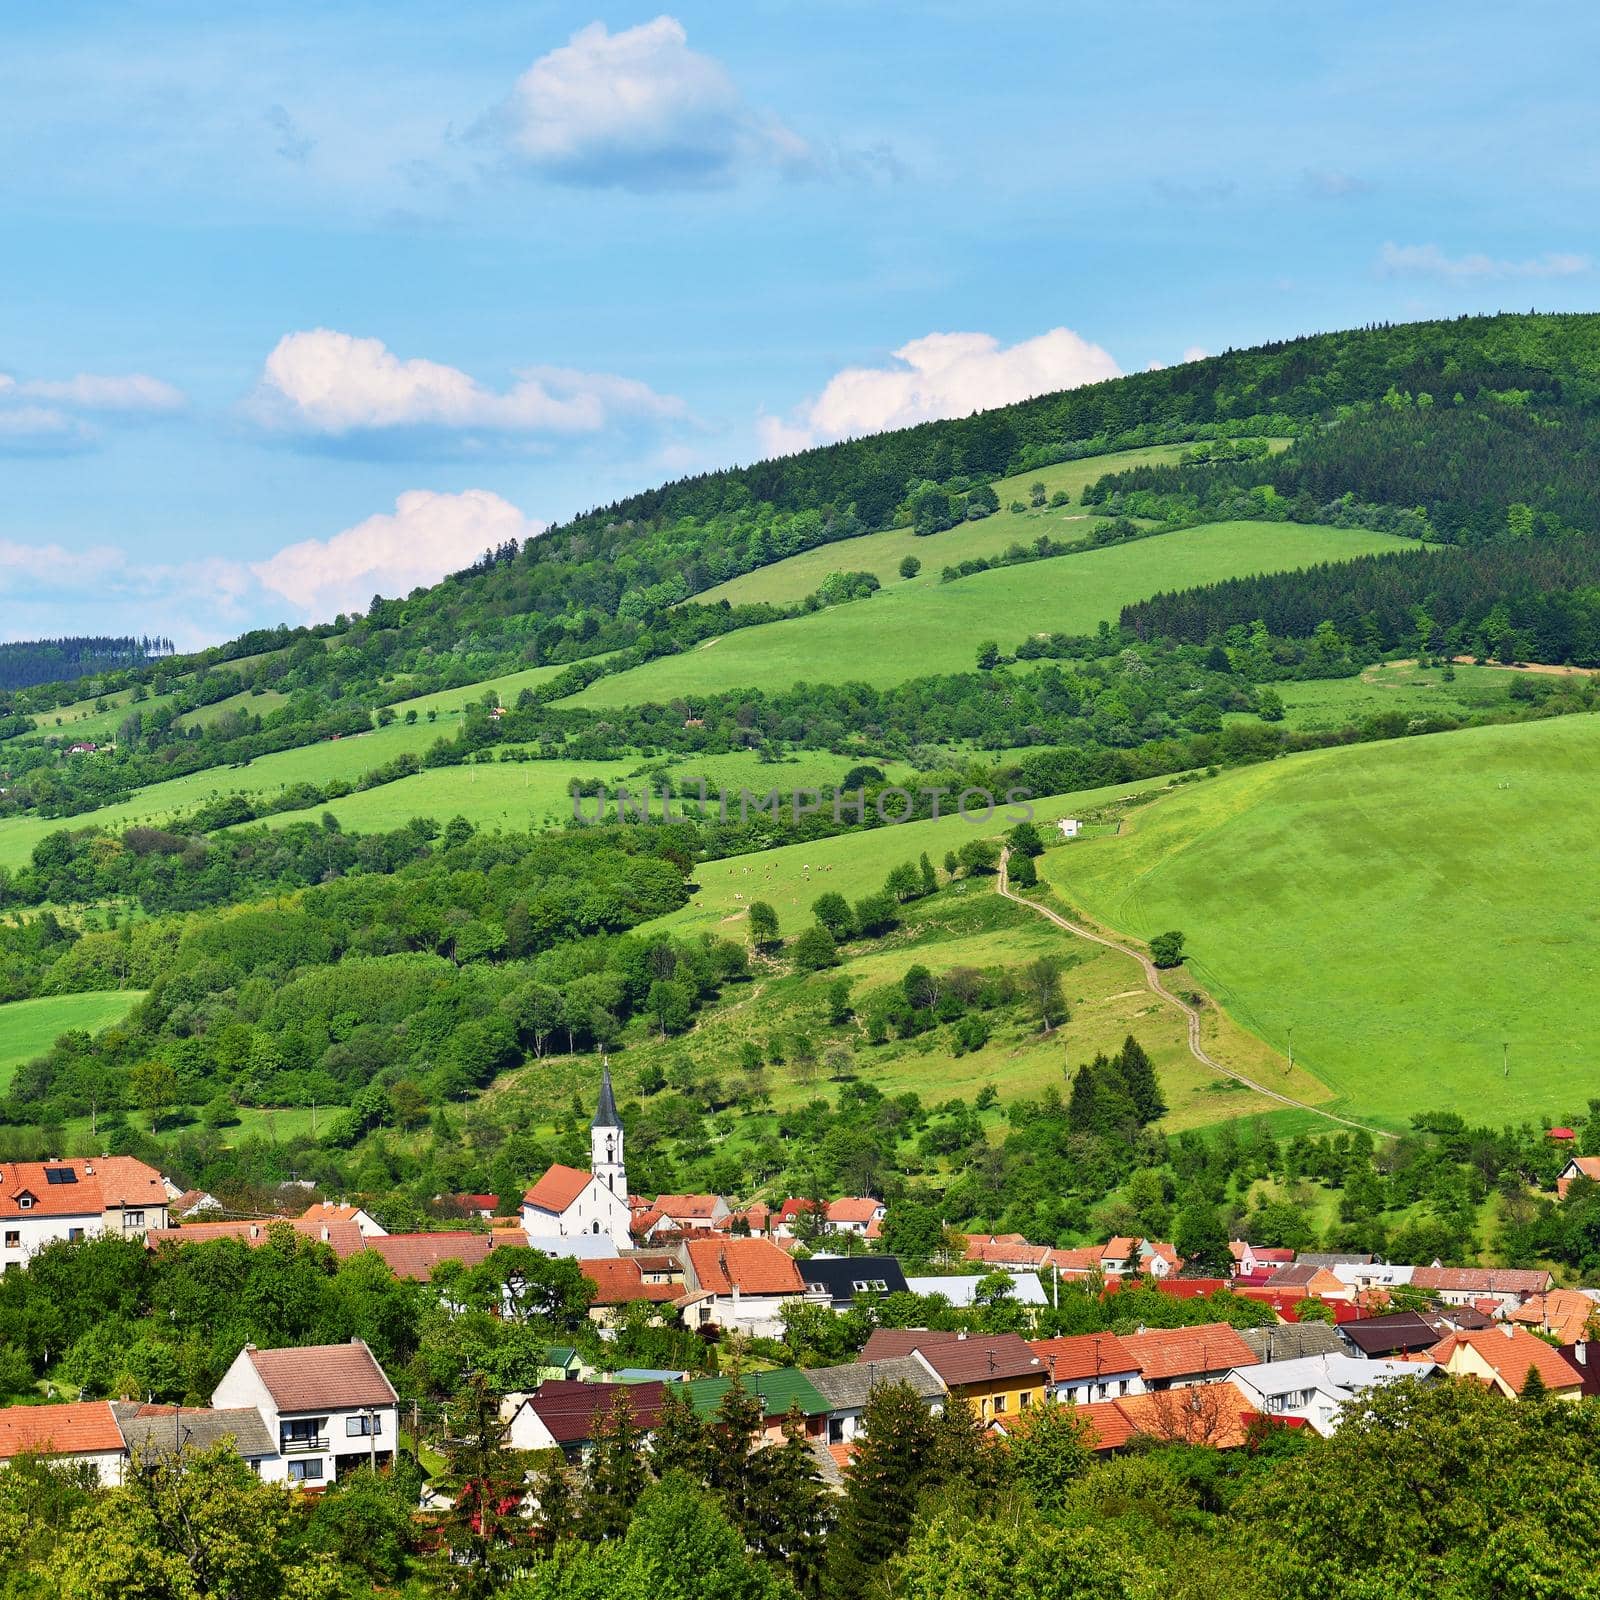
1338	1326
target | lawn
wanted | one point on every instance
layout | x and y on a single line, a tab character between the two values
787	581
1407	907
924	626
29	1027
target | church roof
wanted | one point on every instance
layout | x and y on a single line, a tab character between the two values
605	1115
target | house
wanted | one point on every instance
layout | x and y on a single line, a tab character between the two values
478	1205
1089	1367
82	747
777	1393
842	1278
996	1373
1175	1358
415	1256
330	1408
1584	1358
1506	1286
330	1211
755	1218
1290	1341
786	1220
1501	1359
1397	1334
43	1201
961	1290
848	1388
561	1415
568	1201
740	1284
343	1238
688	1213
1564	1314
1010	1252
1069	827
158	1432
84	1432
1578	1167
1249	1259
618	1284
1361	1278
854	1214
1314	1389
1213	1414
186	1203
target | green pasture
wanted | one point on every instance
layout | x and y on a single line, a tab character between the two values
924	626
451	702
1409	908
1394	686
257	705
29	1027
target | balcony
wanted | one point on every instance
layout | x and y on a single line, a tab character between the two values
304	1447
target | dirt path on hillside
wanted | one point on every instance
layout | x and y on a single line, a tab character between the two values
1152	978
1374	674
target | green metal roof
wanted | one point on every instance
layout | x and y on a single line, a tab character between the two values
777	1391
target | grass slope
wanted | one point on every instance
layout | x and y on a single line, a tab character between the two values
1325	703
1406	907
925	626
29	1027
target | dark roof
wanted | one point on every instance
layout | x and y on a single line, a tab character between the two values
1295	1277
568	1408
839	1275
323	1377
847	1388
605	1114
1289	1341
163	1430
1401	1330
1584	1357
959	1358
1333	1258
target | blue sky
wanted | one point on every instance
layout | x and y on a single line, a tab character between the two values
313	301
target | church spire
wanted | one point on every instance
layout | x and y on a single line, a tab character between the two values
605	1115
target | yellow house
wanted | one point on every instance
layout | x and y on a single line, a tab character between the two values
997	1373
1501	1358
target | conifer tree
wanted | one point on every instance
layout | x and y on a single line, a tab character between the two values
738	1424
615	1474
680	1440
791	1509
930	879
1139	1073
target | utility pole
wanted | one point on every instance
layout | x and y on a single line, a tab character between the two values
1505	1059
1290	1068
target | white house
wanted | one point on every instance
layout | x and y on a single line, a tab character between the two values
329	1408
1312	1389
336	1211
43	1201
82	1433
961	1290
1089	1367
1069	827
855	1214
567	1201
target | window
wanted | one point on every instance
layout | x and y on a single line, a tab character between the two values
363	1427
305	1472
13	1238
133	1219
24	1202
999	1405
60	1175
1024	1399
74	1233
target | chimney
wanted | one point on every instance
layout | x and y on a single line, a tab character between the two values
1580	1352
1509	1331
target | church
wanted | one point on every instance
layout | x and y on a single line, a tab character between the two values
567	1202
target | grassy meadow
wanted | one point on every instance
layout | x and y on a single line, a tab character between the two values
29	1027
1325	703
1406	907
924	626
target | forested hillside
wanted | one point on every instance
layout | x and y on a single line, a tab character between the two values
28	662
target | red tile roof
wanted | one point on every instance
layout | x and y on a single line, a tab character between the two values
1566	1313
619	1282
1164	1353
86	1427
1087	1355
415	1255
756	1266
91	1187
1510	1351
1110	1429
557	1189
568	1408
343	1238
322	1377
687	1207
854	1208
1481	1280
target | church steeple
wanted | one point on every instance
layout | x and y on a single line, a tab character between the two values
605	1140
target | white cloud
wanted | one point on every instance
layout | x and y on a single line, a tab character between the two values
1431	260
334	384
638	109
426	536
50	414
131	393
1194	352
939	375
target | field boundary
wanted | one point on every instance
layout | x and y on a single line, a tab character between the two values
1152	979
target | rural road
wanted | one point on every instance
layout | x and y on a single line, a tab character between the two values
1153	978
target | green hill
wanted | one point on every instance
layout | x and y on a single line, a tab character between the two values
29	1027
1406	907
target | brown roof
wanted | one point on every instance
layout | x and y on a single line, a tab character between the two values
1511	1351
620	1281
1164	1353
90	1187
568	1408
330	1211
958	1358
1086	1355
687	1207
1566	1313
755	1266
343	1238
415	1255
1481	1280
557	1189
85	1427
322	1377
854	1208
